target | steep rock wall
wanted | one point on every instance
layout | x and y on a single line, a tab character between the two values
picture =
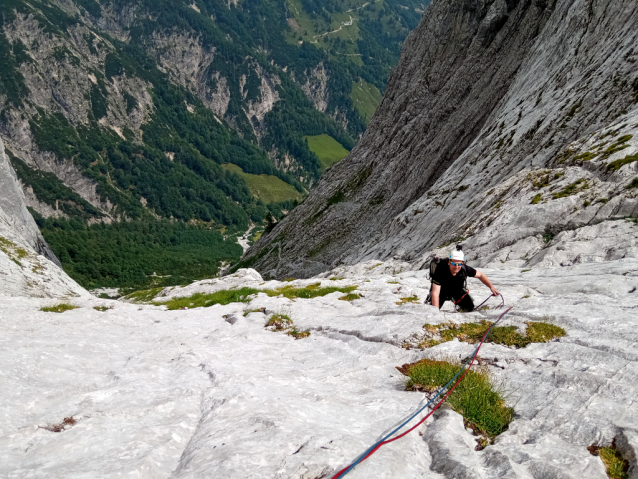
484	91
27	266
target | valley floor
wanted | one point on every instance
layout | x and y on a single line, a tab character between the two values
210	392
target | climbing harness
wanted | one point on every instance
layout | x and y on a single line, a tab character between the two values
461	372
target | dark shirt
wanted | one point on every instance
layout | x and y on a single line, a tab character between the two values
449	283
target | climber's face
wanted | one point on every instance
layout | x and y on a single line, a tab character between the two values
455	266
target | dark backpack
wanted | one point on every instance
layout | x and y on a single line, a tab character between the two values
433	265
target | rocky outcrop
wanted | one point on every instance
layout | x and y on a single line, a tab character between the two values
27	266
17	222
224	396
316	87
488	98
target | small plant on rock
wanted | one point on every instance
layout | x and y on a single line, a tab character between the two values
282	322
409	299
537	332
58	308
616	465
279	322
295	333
350	297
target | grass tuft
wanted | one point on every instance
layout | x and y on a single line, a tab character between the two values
295	333
144	295
243	295
282	322
58	308
350	297
279	322
409	299
223	297
308	292
428	343
571	189
13	251
474	398
616	465
537	332
633	184
541	332
616	165
102	308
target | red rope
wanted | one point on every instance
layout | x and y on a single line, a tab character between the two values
432	411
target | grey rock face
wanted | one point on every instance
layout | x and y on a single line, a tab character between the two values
17	222
486	94
28	268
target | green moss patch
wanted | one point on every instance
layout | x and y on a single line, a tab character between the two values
144	295
58	308
308	292
409	299
328	150
243	295
475	398
537	332
616	165
199	300
633	184
571	189
350	297
13	251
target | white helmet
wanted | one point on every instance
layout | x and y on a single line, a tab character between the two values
457	255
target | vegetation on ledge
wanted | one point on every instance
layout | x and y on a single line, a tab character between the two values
537	332
245	295
58	308
475	398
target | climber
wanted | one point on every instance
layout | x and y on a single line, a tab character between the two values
449	281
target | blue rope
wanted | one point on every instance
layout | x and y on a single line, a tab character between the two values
360	458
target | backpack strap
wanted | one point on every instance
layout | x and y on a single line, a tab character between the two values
433	265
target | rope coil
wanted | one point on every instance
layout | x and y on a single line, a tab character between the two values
462	372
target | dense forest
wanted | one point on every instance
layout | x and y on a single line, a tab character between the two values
100	86
138	254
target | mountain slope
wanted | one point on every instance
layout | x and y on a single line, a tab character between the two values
120	110
27	265
487	99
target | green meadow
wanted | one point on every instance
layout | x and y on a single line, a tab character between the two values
268	188
366	98
327	149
